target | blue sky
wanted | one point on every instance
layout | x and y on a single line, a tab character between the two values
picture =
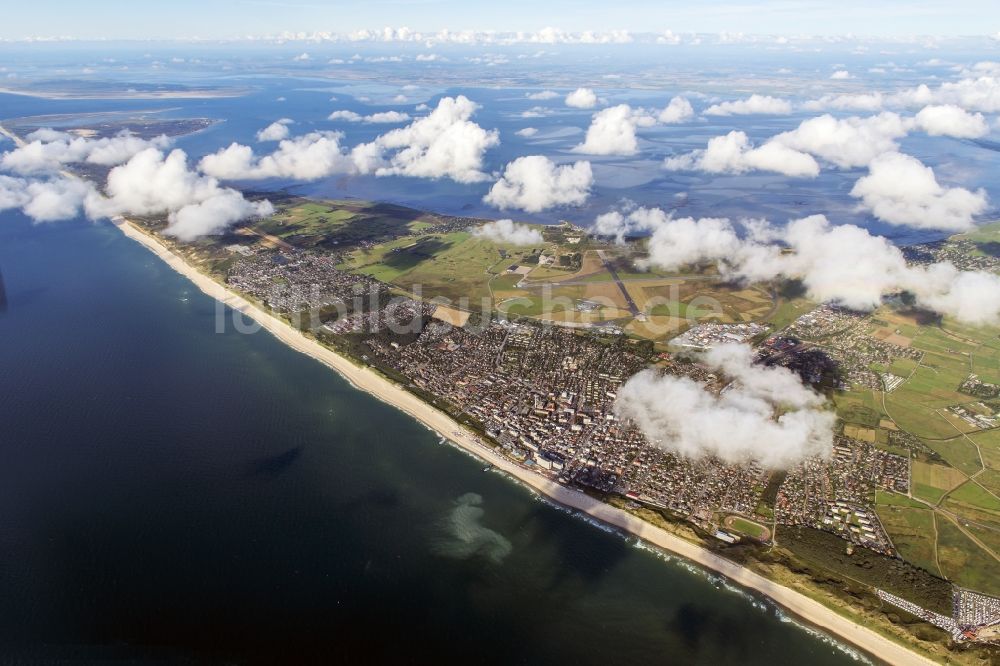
135	19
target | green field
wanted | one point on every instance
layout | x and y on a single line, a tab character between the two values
965	563
886	498
931	482
788	310
861	407
912	532
974	495
990	478
338	224
455	266
988	442
747	527
959	452
986	238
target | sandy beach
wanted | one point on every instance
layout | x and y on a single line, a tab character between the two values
369	381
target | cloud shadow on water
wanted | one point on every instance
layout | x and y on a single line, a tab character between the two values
273	466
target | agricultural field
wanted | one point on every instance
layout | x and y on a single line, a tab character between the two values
931	482
990	478
959	452
957	534
988	442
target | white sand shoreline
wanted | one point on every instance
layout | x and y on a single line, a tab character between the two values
367	380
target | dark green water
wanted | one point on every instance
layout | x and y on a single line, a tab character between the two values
170	493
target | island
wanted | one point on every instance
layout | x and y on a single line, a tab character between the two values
516	353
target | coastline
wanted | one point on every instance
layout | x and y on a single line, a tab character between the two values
119	95
367	380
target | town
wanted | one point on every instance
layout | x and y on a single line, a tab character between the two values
544	396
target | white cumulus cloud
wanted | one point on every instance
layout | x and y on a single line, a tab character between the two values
149	183
386	117
899	189
846	142
677	111
534	183
951	120
612	131
582	98
766	415
48	151
276	131
733	153
542	95
843	264
754	104
509	233
308	157
444	144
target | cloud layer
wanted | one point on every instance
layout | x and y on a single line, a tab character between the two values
386	117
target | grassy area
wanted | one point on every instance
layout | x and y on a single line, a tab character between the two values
455	265
902	367
789	310
916	418
972	494
965	563
959	453
747	527
887	498
911	528
988	442
991	479
337	224
861	407
931	482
